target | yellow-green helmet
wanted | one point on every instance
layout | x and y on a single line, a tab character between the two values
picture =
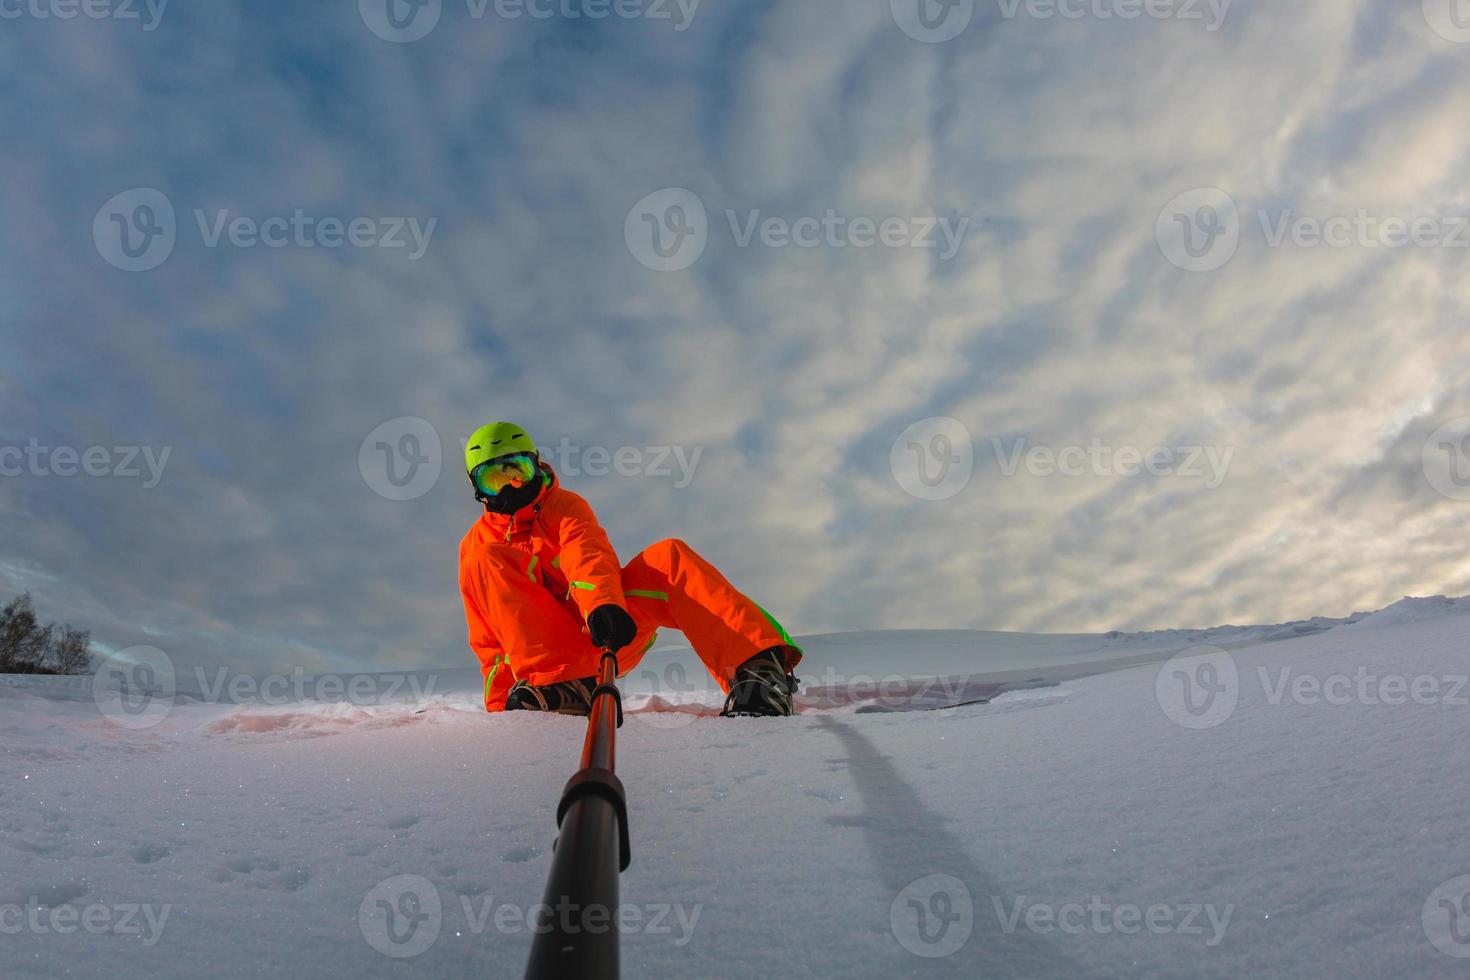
495	440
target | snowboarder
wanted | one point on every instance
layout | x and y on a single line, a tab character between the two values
544	594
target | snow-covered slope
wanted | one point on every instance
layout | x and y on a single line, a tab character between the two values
1273	801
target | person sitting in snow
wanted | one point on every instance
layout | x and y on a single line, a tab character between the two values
544	594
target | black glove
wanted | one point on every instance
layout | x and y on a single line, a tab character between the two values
611	627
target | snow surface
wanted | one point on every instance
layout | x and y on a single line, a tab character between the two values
1316	831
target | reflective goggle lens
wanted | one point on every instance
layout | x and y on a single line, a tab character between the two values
492	477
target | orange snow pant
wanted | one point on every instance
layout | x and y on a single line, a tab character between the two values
667	586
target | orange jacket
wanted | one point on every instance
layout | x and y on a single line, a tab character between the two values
566	550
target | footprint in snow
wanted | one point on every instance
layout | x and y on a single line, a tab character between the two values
43	895
287	881
470	889
520	855
260	872
148	853
247	865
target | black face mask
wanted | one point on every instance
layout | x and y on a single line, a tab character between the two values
512	499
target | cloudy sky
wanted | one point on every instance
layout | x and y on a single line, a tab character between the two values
993	315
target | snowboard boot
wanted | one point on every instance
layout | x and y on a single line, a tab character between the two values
566	698
763	687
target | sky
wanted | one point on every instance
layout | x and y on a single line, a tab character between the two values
995	314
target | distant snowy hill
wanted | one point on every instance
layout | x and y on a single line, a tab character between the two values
1276	801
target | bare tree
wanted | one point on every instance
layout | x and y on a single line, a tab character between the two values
24	642
70	654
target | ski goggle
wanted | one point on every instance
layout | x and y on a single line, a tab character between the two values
494	476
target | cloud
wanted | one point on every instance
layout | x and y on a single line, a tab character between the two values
1058	320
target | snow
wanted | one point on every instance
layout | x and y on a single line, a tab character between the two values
1411	609
1310	821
